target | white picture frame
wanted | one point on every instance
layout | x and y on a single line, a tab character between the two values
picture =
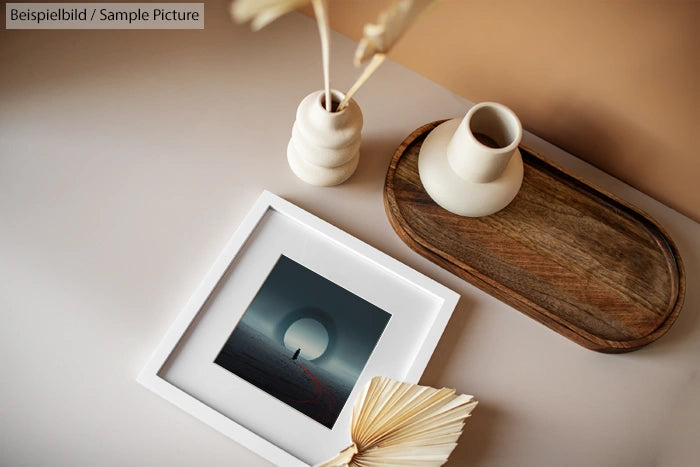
182	369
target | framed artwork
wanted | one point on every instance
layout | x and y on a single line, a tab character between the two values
292	320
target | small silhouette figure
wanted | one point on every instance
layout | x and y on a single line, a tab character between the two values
296	354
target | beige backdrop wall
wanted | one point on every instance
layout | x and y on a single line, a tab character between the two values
614	82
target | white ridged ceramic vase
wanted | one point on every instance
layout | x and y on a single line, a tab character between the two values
324	149
472	166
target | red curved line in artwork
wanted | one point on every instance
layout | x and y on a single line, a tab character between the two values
322	396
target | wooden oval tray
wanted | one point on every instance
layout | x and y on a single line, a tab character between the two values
581	261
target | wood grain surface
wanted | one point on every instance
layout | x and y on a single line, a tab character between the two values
581	261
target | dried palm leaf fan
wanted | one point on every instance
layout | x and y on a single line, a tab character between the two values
405	424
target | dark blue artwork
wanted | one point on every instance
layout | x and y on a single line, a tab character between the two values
304	340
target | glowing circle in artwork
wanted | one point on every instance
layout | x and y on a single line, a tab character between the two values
308	335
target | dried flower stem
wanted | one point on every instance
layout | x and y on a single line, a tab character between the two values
263	12
377	59
321	13
377	40
380	37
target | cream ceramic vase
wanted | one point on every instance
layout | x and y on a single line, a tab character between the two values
324	149
472	166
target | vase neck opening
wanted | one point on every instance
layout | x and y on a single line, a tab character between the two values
336	98
494	127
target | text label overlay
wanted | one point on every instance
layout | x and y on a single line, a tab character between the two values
104	16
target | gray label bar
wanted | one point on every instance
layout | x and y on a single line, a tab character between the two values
104	16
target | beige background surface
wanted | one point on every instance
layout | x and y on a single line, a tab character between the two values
127	159
613	82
